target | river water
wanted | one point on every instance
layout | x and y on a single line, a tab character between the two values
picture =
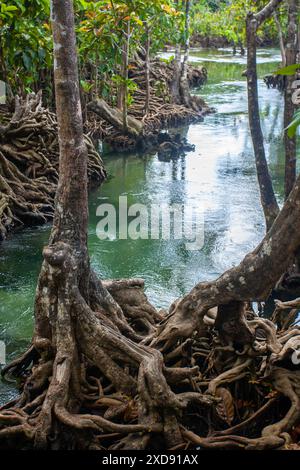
218	179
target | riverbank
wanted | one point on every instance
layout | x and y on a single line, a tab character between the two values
216	42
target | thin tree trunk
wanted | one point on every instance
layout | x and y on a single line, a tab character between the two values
241	46
120	90
289	107
281	40
147	68
125	55
184	85
3	71
175	85
71	214
268	198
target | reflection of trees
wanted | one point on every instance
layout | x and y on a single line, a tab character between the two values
178	168
166	182
274	123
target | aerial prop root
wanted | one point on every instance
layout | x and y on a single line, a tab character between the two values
90	374
77	339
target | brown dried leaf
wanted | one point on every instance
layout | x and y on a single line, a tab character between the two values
115	411
225	408
131	411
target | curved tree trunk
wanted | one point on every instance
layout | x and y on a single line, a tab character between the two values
268	198
292	48
252	279
115	117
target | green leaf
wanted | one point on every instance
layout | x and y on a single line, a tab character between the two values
26	60
86	86
292	127
11	8
288	70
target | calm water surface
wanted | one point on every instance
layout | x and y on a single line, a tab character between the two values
219	176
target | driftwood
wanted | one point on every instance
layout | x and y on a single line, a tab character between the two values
115	117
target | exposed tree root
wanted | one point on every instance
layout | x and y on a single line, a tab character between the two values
107	371
90	381
163	111
29	164
275	81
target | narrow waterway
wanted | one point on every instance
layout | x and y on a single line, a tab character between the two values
218	178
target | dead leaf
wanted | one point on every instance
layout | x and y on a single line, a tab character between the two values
225	408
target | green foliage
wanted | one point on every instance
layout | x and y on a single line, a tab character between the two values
86	86
168	60
102	29
26	40
26	44
292	128
227	19
288	70
131	86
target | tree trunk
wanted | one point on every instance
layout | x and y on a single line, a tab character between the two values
268	198
175	84
281	40
71	213
184	84
193	102
3	71
125	54
289	107
252	279
147	68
